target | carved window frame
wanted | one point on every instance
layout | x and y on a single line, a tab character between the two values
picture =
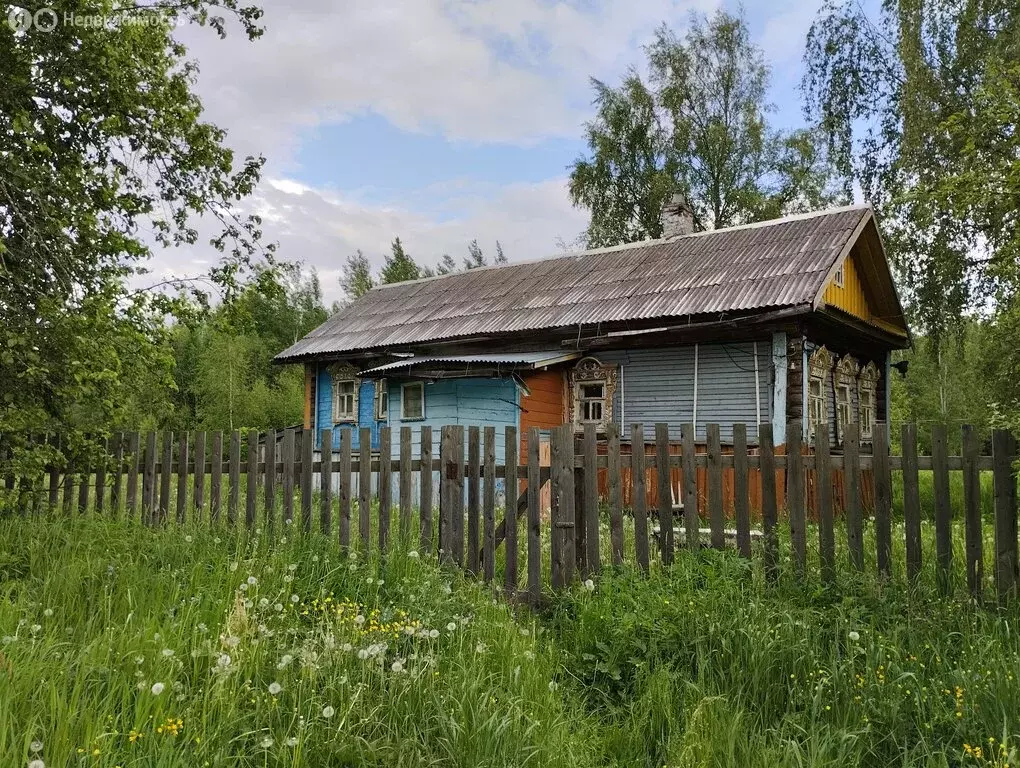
819	371
846	381
382	400
591	370
344	374
867	390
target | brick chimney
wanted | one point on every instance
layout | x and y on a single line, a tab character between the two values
677	216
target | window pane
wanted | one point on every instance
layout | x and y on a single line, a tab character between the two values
590	391
412	402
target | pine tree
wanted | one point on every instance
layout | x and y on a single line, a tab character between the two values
399	266
356	279
475	257
500	256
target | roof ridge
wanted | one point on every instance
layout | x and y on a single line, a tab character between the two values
641	243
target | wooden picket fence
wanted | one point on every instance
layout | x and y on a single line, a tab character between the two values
135	476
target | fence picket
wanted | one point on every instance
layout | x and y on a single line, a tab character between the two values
198	494
639	494
166	475
116	495
133	460
769	511
823	494
68	500
562	478
149	480
510	513
615	494
326	482
717	521
447	460
474	464
53	486
385	480
365	486
852	486
104	459
593	560
665	492
489	504
972	512
269	480
182	476
458	495
346	486
795	499
943	512
883	497
911	500
425	505
252	476
405	482
234	493
288	477
83	488
216	477
534	517
1004	478
692	520
741	503
307	456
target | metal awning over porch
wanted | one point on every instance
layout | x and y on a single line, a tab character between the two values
508	363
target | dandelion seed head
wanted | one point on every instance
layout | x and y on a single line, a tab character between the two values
328	711
275	688
157	689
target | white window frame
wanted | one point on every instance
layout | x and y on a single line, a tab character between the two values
382	396
819	370
846	379
403	400
839	277
867	385
340	416
580	400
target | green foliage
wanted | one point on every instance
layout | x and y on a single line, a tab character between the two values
356	279
699	127
920	107
399	266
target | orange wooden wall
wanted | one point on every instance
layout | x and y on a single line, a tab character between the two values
545	406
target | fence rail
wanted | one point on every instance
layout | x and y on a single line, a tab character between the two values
155	476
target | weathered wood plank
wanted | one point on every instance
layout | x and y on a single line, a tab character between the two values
510	516
458	495
69	485
166	475
447	458
823	495
133	464
590	506
101	462
716	519
116	487
385	492
198	492
741	503
252	476
149	494
639	495
1005	501
883	497
405	483
489	504
346	486
943	510
269	480
365	487
769	505
84	479
852	486
182	477
307	456
534	516
216	477
326	482
615	494
234	493
562	497
288	477
692	521
665	491
53	486
474	463
795	497
911	500
972	512
425	483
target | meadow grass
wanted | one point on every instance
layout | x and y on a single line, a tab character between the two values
184	646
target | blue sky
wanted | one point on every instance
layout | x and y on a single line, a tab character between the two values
438	120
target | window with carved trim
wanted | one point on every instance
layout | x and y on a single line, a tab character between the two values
867	392
345	394
819	367
846	380
591	390
382	400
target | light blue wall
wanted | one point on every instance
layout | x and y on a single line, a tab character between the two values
657	385
324	411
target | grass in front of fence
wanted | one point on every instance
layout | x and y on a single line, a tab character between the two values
177	646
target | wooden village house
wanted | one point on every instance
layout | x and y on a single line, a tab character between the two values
792	319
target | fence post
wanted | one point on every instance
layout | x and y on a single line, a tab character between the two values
474	464
972	512
1004	480
252	477
149	480
307	457
943	511
425	509
404	488
769	512
269	480
288	477
562	478
134	459
615	494
216	477
198	494
100	504
795	494
665	493
385	492
741	504
826	535
234	494
489	504
83	487
365	486
911	500
692	520
534	516
591	504
510	513
182	477
447	476
852	483
346	485
116	496
883	497
638	494
326	482
715	501
458	496
166	475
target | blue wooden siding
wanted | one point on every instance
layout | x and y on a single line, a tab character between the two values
324	411
657	385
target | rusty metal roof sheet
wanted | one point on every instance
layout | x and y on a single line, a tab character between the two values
767	265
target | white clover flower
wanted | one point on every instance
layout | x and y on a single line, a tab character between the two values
346	647
369	580
267	742
48	612
294	598
37	763
553	685
285	660
854	636
292	741
188	539
139	659
36	628
283	539
589	585
223	660
433	633
315	558
452	626
397	666
202	627
292	567
35	747
216	540
359	619
168	652
232	641
233	567
413	554
275	688
481	648
157	688
447	589
328	712
288	579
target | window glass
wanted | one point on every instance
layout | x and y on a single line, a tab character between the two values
412	401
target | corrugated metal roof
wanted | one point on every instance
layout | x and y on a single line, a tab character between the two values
759	266
528	359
